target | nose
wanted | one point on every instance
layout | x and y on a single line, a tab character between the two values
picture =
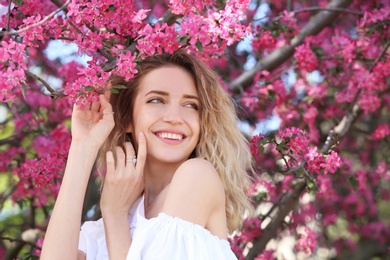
173	114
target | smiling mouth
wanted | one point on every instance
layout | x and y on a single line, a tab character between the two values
170	136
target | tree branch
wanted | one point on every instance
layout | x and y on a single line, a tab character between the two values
36	24
277	57
292	199
288	203
333	9
53	93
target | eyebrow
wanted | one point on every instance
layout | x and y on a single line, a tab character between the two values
163	93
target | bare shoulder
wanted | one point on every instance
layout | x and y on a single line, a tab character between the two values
195	193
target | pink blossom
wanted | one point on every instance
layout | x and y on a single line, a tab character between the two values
39	244
251	229
307	60
314	160
254	145
266	255
317	91
369	102
264	40
381	132
332	163
43	145
184	7
296	140
307	241
126	65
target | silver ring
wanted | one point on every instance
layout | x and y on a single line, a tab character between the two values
134	160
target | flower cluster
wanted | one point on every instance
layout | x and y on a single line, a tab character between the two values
264	41
306	59
307	241
381	132
12	67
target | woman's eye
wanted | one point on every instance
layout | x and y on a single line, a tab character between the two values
155	100
193	105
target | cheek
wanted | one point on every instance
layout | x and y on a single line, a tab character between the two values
196	124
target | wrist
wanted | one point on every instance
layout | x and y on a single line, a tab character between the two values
111	217
84	145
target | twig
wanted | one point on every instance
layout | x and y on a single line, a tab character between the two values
310	178
53	93
296	168
56	2
63	38
9	14
40	80
38	23
289	5
75	27
274	206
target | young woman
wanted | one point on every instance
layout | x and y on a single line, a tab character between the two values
175	164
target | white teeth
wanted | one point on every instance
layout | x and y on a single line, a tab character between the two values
170	136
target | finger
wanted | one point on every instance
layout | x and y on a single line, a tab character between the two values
107	95
95	106
141	156
110	163
105	107
120	159
130	153
88	106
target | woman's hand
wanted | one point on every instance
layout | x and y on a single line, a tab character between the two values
124	181
93	123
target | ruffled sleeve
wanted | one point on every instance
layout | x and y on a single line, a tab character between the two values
92	240
166	237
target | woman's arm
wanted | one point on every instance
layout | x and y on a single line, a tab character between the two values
90	127
123	185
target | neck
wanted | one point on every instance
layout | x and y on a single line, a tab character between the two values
157	176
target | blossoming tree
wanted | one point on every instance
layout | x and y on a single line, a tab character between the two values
321	183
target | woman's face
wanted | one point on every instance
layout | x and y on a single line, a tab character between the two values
166	110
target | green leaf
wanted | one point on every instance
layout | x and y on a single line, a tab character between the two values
23	89
114	90
281	147
261	150
18	2
183	39
199	46
119	87
354	183
89	88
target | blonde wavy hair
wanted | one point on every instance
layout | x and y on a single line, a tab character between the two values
221	142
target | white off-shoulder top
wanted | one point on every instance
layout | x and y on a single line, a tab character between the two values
161	238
